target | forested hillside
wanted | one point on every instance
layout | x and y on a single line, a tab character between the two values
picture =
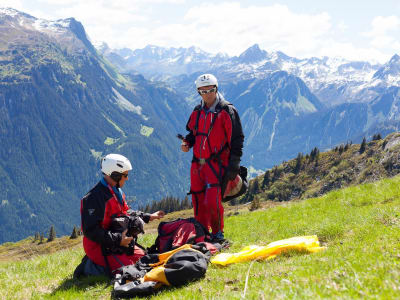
62	107
316	173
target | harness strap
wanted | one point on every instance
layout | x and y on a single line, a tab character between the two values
194	193
118	260
212	156
196	126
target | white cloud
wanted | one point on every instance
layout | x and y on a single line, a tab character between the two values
229	27
116	3
384	33
381	25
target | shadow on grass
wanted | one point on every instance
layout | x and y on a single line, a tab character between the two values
81	284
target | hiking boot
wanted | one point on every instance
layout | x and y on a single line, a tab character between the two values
220	239
219	236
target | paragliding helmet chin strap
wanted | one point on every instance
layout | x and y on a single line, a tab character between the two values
116	177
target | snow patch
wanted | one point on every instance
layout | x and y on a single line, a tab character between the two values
124	104
273	132
341	116
166	104
9	11
59	26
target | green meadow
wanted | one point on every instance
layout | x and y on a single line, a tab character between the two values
359	225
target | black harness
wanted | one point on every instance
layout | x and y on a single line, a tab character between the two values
215	156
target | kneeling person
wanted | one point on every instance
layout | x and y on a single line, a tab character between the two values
99	206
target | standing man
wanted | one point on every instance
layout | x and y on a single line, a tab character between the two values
216	135
99	206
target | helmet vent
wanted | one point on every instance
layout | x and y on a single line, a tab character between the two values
119	165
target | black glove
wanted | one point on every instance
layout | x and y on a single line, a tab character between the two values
233	168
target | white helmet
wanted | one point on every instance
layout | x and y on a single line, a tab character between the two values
206	80
115	163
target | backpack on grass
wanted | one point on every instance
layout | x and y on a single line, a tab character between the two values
153	271
174	234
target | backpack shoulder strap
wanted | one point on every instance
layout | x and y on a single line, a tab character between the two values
225	105
197	108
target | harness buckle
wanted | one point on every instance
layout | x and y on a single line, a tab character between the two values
202	161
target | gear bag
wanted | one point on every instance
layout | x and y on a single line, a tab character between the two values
174	234
153	271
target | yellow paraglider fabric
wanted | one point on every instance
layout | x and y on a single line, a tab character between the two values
299	243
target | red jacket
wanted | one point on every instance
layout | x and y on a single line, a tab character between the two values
98	207
210	132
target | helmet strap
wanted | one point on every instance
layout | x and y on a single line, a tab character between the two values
116	177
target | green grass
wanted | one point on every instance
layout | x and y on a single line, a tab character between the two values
360	226
145	130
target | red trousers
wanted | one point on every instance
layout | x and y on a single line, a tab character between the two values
206	195
93	251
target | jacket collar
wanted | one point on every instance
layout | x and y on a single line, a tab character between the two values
213	107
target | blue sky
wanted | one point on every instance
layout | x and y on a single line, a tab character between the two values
357	30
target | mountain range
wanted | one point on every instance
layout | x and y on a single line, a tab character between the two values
332	80
287	105
65	103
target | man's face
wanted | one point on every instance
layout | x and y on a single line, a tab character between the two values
208	98
123	179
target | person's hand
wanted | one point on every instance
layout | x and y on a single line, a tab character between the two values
125	240
157	215
185	147
233	168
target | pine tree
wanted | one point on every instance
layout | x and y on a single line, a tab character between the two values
37	237
186	203
299	160
314	153
265	182
52	234
255	187
41	238
74	234
377	137
341	149
363	146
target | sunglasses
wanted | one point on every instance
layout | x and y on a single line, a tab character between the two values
203	92
125	175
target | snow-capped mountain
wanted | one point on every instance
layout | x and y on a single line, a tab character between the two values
333	80
287	105
389	72
68	32
155	61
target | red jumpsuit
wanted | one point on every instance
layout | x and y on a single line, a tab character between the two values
214	136
97	208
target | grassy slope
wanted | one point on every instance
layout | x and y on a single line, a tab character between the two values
359	225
